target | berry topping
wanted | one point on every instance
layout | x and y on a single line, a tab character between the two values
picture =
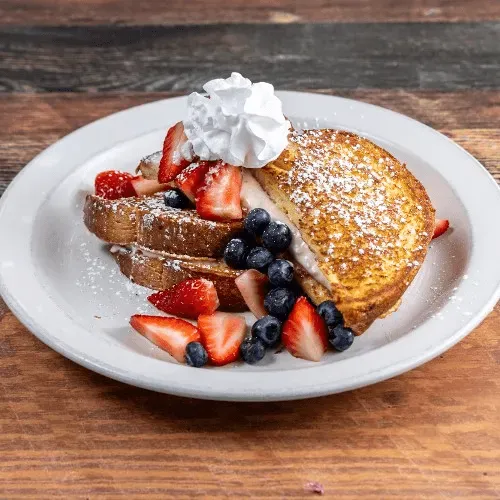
440	227
256	221
340	337
277	237
218	198
280	272
189	298
252	351
304	332
329	312
172	163
279	302
170	334
253	287
259	258
113	185
196	355
145	187
174	198
235	253
222	335
267	330
192	178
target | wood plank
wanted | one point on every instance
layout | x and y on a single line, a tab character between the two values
33	122
66	432
70	12
341	56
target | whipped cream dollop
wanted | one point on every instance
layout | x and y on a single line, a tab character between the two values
240	122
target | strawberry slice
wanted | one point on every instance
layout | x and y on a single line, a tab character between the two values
192	177
219	198
145	187
253	287
305	334
222	335
113	184
440	227
170	334
172	163
189	298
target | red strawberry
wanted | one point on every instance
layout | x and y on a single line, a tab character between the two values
253	287
219	197
192	177
172	163
304	332
144	187
113	184
189	298
440	227
222	335
170	334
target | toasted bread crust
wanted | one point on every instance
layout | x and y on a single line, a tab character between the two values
149	223
368	220
161	272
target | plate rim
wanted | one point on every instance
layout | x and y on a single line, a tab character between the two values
384	372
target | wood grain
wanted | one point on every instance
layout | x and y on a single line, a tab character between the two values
341	56
70	12
47	117
66	432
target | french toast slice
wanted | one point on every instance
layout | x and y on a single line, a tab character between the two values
147	222
162	271
366	218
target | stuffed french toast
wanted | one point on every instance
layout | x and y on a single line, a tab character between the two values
317	232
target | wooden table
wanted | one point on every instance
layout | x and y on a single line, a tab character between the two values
69	433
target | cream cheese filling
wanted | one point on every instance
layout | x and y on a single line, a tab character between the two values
254	196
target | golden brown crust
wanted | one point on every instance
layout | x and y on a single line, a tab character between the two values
161	272
368	220
149	223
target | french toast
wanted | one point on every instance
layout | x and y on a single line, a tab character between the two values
158	247
162	271
366	218
147	222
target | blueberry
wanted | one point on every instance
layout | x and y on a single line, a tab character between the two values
268	330
329	312
196	354
259	258
277	237
252	350
340	337
279	302
256	221
280	272
235	253
175	198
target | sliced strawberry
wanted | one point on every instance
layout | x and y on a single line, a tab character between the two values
172	163
192	178
305	333
113	184
219	197
170	334
222	335
144	187
253	287
440	227
189	298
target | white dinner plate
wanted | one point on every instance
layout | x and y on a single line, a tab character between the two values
61	283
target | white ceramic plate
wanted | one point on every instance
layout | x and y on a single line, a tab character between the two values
59	281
